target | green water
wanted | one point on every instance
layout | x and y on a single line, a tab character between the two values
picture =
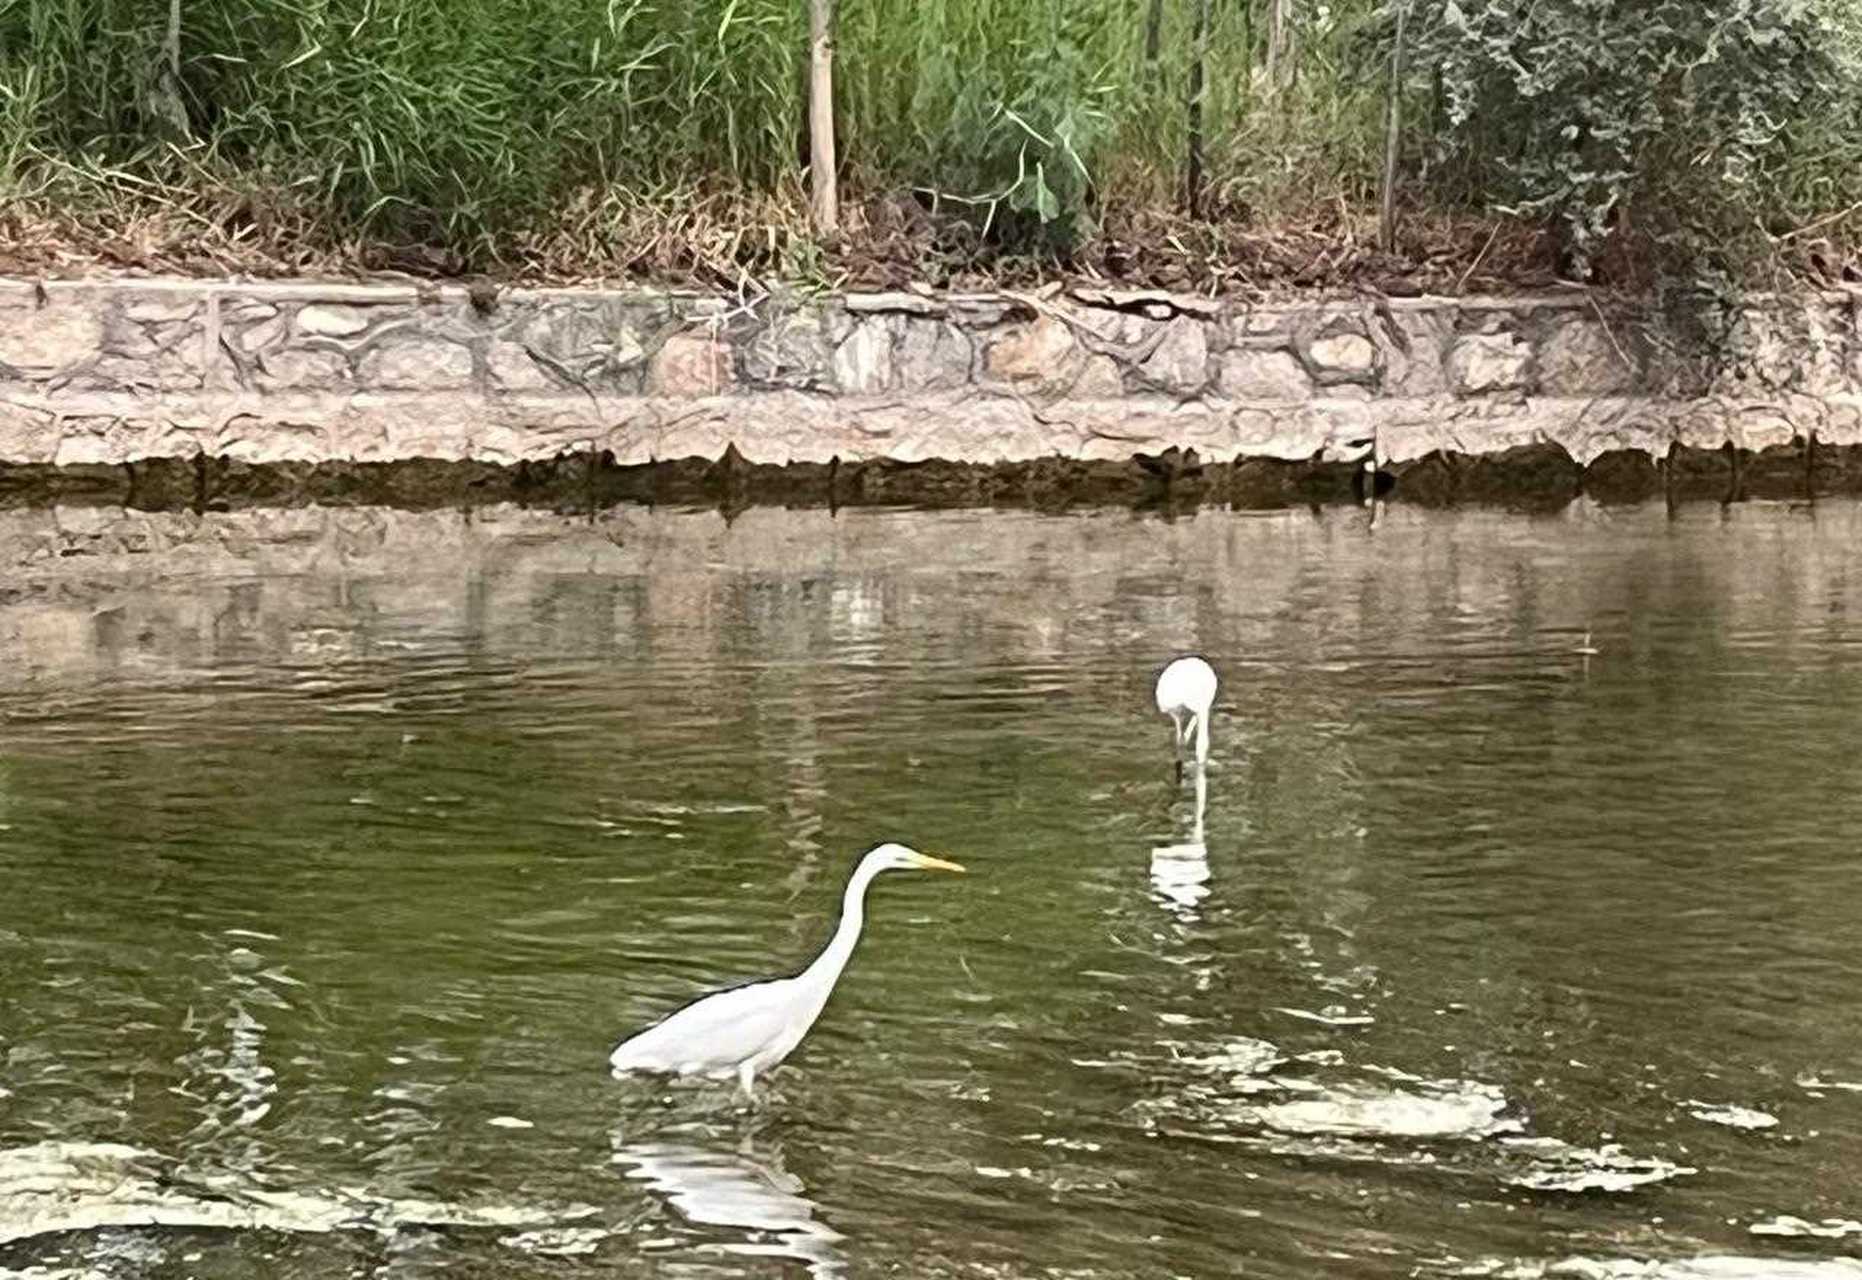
337	849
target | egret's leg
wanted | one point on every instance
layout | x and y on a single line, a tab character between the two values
1176	743
746	1074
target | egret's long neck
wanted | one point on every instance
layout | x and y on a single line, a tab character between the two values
1202	735
827	966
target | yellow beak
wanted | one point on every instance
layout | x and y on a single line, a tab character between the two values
929	863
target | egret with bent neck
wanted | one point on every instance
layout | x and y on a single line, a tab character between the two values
747	1030
1186	693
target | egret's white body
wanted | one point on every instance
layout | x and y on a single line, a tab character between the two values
745	1031
1185	693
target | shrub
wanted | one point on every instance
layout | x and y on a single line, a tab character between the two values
1656	117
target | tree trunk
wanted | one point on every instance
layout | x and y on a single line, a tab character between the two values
824	183
1393	130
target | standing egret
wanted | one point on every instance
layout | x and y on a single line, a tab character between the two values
748	1029
1185	692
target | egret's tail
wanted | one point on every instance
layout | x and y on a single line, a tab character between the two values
626	1059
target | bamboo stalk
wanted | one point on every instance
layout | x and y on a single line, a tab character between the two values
163	97
824	183
1153	35
1193	168
1393	128
1276	42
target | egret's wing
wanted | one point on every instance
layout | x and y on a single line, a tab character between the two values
714	1033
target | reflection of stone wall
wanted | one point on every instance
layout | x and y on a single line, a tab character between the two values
113	372
154	597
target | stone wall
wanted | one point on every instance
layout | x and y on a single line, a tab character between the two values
115	372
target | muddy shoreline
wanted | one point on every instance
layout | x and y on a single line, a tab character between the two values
1538	477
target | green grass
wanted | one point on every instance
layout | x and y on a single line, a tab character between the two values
603	136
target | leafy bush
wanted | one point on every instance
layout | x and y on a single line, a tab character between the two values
1654	116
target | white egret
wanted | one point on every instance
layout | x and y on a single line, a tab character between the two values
1185	693
746	1030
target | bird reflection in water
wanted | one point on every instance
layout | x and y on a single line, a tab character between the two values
745	1190
1180	872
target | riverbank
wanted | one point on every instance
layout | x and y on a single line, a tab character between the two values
198	393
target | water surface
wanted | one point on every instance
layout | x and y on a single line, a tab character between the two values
337	848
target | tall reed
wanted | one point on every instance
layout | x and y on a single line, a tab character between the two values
483	125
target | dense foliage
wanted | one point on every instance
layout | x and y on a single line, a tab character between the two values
1674	116
562	136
